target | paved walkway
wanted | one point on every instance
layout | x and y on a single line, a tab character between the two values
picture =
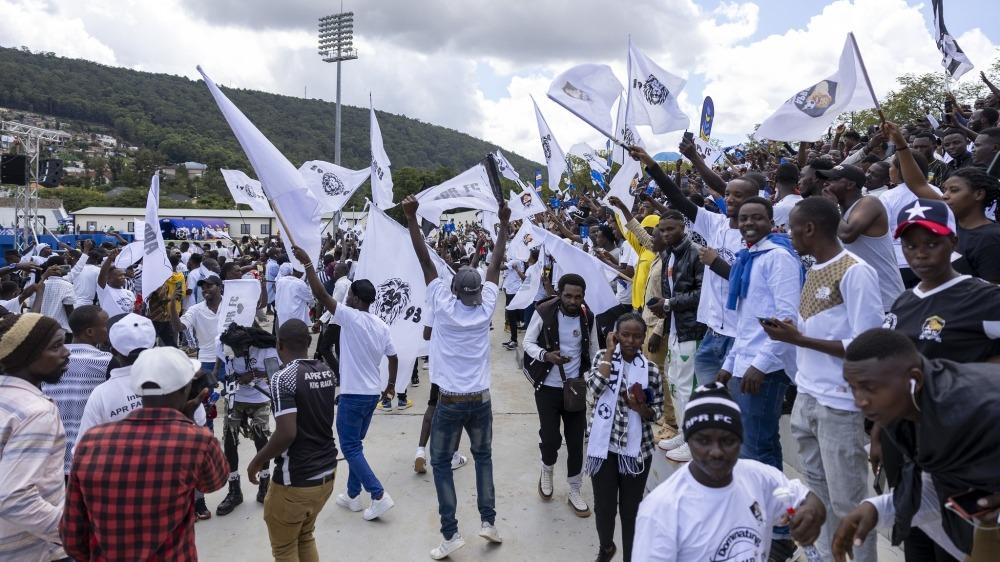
532	529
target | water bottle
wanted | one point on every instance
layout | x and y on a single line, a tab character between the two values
786	496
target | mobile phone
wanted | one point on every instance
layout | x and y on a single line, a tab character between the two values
765	321
966	505
688	136
271	366
947	106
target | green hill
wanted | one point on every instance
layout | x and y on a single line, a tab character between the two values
176	118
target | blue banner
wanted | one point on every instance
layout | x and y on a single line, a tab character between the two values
707	117
538	178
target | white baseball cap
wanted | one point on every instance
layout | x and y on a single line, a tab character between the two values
131	332
166	367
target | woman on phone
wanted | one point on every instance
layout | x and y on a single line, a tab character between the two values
627	398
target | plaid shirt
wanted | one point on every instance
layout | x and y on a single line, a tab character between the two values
131	490
596	383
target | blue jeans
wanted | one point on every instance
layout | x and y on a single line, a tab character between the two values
761	413
446	428
710	356
354	415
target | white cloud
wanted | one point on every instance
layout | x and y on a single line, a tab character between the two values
420	59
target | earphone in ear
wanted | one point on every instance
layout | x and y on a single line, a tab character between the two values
913	386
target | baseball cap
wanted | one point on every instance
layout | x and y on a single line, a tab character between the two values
468	286
131	332
932	214
213	279
168	368
852	173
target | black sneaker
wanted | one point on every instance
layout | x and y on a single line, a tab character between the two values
415	379
201	511
510	345
606	554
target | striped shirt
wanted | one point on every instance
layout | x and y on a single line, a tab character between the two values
57	295
87	368
32	485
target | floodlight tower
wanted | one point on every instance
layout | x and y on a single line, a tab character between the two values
336	38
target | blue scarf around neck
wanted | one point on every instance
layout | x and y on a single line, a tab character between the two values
739	275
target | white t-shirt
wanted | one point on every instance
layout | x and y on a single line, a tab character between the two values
13	306
112	400
292	298
511	280
235	366
364	339
682	520
894	201
85	284
712	311
193	277
783	208
842	317
204	324
58	294
115	301
460	343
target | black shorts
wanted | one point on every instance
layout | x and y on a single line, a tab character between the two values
433	400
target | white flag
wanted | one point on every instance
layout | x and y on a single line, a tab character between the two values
246	190
490	222
389	262
282	183
525	204
653	94
129	254
525	295
708	153
239	302
523	242
625	183
381	176
808	114
332	185
590	155
954	59
506	168
469	190
555	160
571	259
155	265
625	130
588	91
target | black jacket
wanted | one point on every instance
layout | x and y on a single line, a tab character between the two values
687	276
548	339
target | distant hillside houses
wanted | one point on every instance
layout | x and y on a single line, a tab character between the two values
194	169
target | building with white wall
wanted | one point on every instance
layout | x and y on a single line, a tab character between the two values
240	223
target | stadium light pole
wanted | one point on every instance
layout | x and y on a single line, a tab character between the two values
336	38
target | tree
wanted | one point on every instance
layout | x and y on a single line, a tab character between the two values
76	198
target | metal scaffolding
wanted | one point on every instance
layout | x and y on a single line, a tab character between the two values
26	196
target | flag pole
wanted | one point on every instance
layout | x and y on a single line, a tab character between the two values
864	71
589	122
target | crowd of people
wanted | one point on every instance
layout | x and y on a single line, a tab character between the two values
848	283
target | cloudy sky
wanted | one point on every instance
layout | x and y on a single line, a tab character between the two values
472	65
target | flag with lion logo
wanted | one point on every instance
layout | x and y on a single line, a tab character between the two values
399	288
807	114
332	185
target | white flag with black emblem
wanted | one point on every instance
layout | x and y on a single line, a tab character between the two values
389	262
588	91
653	94
239	302
570	259
283	185
808	113
953	59
555	160
332	185
468	190
525	204
505	168
625	183
155	265
523	242
590	156
381	176
625	130
246	190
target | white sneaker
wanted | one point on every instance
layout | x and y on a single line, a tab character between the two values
490	533
672	443
354	504
680	454
545	487
575	499
458	461
447	547
379	507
